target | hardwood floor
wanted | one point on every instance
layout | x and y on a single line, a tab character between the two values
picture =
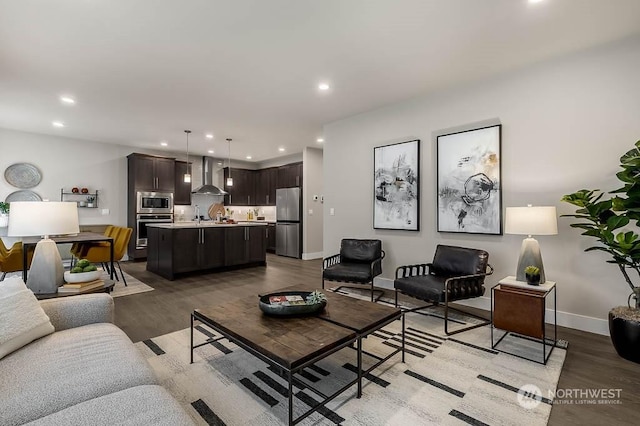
591	361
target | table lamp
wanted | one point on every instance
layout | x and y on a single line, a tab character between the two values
44	218
531	220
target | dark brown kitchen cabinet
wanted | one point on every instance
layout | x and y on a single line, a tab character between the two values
266	181
290	176
246	244
151	173
196	249
242	193
271	237
173	251
182	194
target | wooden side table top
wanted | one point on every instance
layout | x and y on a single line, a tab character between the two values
512	282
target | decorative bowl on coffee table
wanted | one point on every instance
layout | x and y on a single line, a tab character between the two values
276	304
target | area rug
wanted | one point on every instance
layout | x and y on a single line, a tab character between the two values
134	286
445	380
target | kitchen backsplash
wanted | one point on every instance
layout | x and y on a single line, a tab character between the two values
187	213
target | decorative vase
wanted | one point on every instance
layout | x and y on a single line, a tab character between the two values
4	220
624	328
533	279
90	205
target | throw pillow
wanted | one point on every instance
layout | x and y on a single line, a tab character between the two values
22	320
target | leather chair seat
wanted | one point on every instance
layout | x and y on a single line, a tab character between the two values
431	288
349	272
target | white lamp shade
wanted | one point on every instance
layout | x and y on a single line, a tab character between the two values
42	218
532	220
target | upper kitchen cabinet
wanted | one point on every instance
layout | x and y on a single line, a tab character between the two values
151	173
266	183
182	194
290	176
243	191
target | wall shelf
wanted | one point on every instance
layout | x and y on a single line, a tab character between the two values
80	198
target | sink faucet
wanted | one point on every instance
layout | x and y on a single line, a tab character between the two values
197	209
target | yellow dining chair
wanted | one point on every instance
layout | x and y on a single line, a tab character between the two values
11	259
79	249
98	253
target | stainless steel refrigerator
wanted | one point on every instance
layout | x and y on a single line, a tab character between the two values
288	222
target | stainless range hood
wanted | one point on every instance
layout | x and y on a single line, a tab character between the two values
207	186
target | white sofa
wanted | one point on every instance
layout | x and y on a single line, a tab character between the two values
87	372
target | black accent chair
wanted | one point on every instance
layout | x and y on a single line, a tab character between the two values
456	273
359	262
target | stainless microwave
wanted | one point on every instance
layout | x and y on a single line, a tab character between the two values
154	202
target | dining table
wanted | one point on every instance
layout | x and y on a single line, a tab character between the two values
82	237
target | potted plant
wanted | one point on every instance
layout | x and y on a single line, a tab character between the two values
4	214
532	274
90	200
609	221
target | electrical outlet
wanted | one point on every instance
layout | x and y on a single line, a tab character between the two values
310	212
104	212
332	212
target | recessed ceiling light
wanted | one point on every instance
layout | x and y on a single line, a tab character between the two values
67	100
281	149
323	86
535	1
57	124
164	143
319	140
209	136
249	157
210	151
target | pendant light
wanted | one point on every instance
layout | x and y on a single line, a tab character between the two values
229	178
187	175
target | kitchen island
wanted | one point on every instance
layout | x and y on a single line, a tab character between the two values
177	248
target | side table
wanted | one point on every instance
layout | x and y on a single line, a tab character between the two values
519	309
106	288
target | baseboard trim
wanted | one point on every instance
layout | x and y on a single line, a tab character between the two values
311	256
565	319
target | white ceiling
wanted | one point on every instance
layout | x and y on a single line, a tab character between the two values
144	70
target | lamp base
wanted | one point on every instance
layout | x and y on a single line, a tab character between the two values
529	255
46	273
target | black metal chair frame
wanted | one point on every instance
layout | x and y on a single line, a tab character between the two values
335	259
407	271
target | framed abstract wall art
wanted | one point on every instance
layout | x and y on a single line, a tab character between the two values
469	181
397	186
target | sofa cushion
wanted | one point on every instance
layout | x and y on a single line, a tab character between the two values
140	405
66	368
22	320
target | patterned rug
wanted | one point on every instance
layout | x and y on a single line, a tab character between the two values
445	380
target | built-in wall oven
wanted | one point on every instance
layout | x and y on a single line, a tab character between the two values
151	207
146	219
154	202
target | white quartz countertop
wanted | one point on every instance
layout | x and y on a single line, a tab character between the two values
204	224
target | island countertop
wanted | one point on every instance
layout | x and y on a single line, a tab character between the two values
203	224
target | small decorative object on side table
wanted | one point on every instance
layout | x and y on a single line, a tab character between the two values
519	309
532	275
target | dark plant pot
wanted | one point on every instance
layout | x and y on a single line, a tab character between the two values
532	279
625	336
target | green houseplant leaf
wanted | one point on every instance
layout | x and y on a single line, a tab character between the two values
600	219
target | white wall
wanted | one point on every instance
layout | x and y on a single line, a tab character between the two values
565	125
67	163
312	209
